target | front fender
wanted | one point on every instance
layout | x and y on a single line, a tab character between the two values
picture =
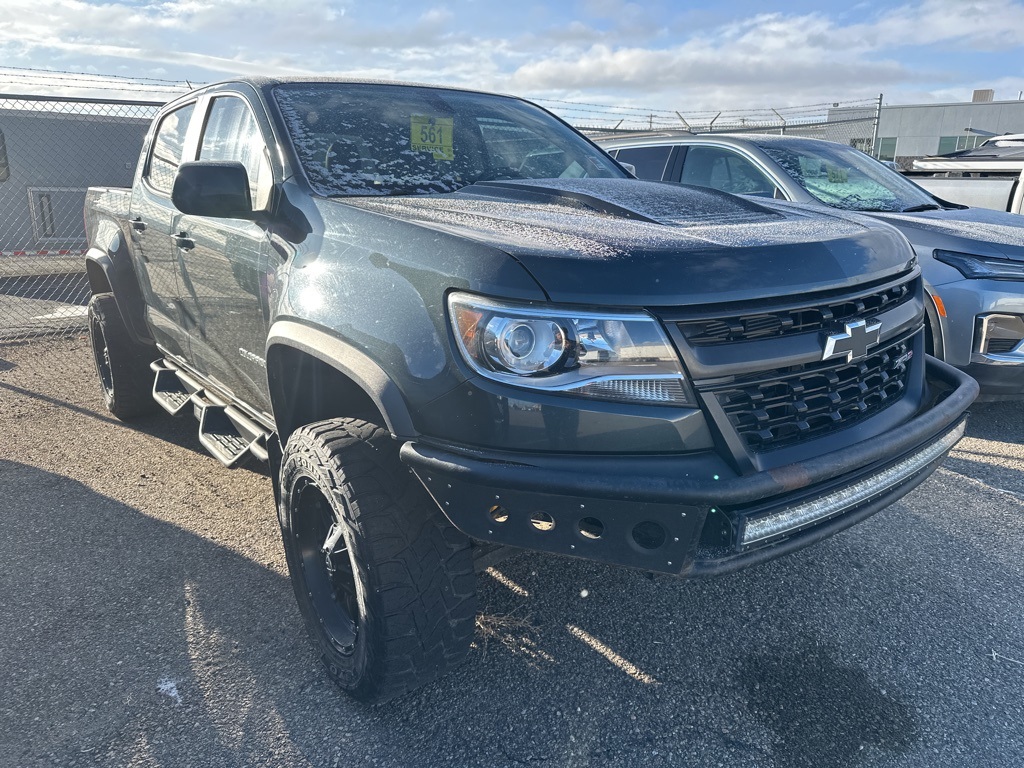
351	363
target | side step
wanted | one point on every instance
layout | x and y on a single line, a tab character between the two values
230	435
224	429
169	390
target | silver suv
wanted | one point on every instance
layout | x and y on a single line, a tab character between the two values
972	258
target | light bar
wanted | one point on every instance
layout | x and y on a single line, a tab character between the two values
761	528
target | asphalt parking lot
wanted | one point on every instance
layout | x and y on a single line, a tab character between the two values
148	620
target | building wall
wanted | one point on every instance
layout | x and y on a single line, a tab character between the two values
51	159
918	128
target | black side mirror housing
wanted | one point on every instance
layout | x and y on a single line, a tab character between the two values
216	189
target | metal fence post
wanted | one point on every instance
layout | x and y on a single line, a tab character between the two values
874	130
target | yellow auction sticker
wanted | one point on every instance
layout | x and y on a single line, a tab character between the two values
432	134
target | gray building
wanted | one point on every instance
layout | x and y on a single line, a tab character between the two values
50	151
910	131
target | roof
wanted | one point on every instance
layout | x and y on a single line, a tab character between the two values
261	82
655	138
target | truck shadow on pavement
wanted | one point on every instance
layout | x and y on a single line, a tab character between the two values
120	630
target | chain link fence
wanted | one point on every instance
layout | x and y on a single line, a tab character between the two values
853	123
51	150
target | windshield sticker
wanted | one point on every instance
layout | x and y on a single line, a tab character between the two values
433	134
838	175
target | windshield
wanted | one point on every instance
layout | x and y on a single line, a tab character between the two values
369	139
844	177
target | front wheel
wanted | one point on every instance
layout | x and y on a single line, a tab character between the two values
385	583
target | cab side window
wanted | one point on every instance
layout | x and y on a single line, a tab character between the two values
165	155
649	162
232	133
725	170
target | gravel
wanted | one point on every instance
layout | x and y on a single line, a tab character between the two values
149	621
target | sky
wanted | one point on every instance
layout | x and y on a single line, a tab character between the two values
670	56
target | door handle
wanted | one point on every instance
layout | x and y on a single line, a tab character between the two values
183	241
138	224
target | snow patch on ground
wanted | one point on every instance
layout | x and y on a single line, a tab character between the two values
169	688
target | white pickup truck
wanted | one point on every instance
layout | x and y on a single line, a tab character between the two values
988	176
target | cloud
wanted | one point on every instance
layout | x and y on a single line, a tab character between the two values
782	58
651	55
984	25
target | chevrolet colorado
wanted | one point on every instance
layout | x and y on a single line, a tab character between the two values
454	327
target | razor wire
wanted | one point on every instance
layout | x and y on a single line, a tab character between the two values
851	123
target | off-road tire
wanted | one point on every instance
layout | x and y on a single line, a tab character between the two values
413	610
122	363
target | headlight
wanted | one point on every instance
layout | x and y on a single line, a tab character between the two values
991	267
607	355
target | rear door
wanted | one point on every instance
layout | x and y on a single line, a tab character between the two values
726	170
650	162
152	225
227	263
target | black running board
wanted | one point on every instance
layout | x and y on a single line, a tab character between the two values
225	430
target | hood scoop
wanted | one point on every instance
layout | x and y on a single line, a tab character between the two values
648	202
545	195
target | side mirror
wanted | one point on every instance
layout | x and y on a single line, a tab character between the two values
629	167
216	189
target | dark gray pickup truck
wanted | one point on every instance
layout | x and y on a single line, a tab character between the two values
455	328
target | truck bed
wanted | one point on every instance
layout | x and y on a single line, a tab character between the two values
997	193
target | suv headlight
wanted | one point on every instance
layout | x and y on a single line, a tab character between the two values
977	267
606	355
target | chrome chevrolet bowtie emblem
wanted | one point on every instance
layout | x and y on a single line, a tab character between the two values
854	342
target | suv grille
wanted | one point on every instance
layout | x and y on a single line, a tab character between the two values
780	409
764	325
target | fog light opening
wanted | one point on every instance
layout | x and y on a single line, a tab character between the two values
498	513
648	535
542	521
998	334
591	528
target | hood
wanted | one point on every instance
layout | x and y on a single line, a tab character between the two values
628	242
971	230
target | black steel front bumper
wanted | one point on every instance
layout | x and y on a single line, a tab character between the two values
690	515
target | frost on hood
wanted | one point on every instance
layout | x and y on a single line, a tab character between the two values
682	219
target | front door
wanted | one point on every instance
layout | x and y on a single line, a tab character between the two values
227	264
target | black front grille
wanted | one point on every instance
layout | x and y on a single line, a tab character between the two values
777	409
815	317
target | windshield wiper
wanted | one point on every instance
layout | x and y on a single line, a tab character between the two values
924	207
